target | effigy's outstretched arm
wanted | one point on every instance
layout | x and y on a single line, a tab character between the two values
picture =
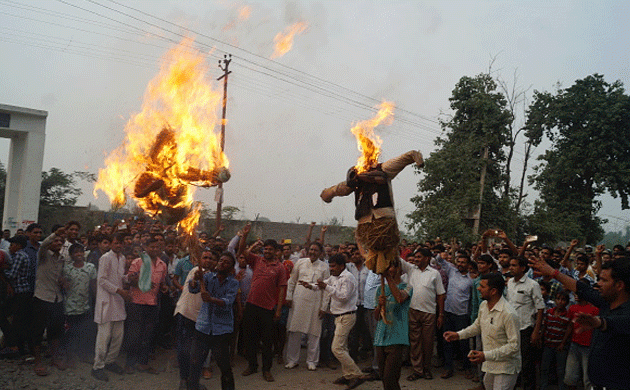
392	167
341	189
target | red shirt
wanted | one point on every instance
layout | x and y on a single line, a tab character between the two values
583	338
158	273
556	324
266	281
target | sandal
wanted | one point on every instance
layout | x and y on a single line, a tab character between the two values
40	370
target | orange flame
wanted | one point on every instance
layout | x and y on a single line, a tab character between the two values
170	146
284	40
368	142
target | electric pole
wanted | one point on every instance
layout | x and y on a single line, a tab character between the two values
482	181
223	65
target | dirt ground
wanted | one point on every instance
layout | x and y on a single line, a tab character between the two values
18	375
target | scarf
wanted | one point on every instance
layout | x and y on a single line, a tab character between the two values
144	280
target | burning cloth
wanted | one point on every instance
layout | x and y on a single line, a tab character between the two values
377	229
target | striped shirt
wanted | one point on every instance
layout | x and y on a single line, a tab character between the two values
555	325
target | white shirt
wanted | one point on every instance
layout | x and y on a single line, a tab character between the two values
500	337
109	305
343	293
189	304
525	297
427	285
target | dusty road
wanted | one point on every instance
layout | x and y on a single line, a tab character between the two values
20	376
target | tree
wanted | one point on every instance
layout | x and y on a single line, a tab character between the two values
449	191
588	125
59	189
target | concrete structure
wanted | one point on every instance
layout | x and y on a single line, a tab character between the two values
27	130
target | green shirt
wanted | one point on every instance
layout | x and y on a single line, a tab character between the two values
397	332
476	300
78	295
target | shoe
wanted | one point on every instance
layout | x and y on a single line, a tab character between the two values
373	376
331	365
206	373
268	377
60	364
291	365
311	366
129	370
414	376
147	368
100	375
356	382
428	375
447	374
9	352
115	368
341	381
249	371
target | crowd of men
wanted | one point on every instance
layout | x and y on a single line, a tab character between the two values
499	314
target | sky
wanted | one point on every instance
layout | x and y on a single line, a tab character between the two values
88	62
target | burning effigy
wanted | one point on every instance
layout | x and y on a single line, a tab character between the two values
170	146
377	230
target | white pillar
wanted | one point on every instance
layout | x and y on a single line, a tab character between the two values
26	129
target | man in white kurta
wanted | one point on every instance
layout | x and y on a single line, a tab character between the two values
306	302
109	311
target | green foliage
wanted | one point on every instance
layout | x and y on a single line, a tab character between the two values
449	190
613	238
588	125
58	189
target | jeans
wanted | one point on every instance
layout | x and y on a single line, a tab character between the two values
326	338
76	340
142	320
360	341
529	355
258	326
22	321
454	323
184	331
548	356
220	345
577	365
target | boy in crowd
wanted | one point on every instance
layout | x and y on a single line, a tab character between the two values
556	332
